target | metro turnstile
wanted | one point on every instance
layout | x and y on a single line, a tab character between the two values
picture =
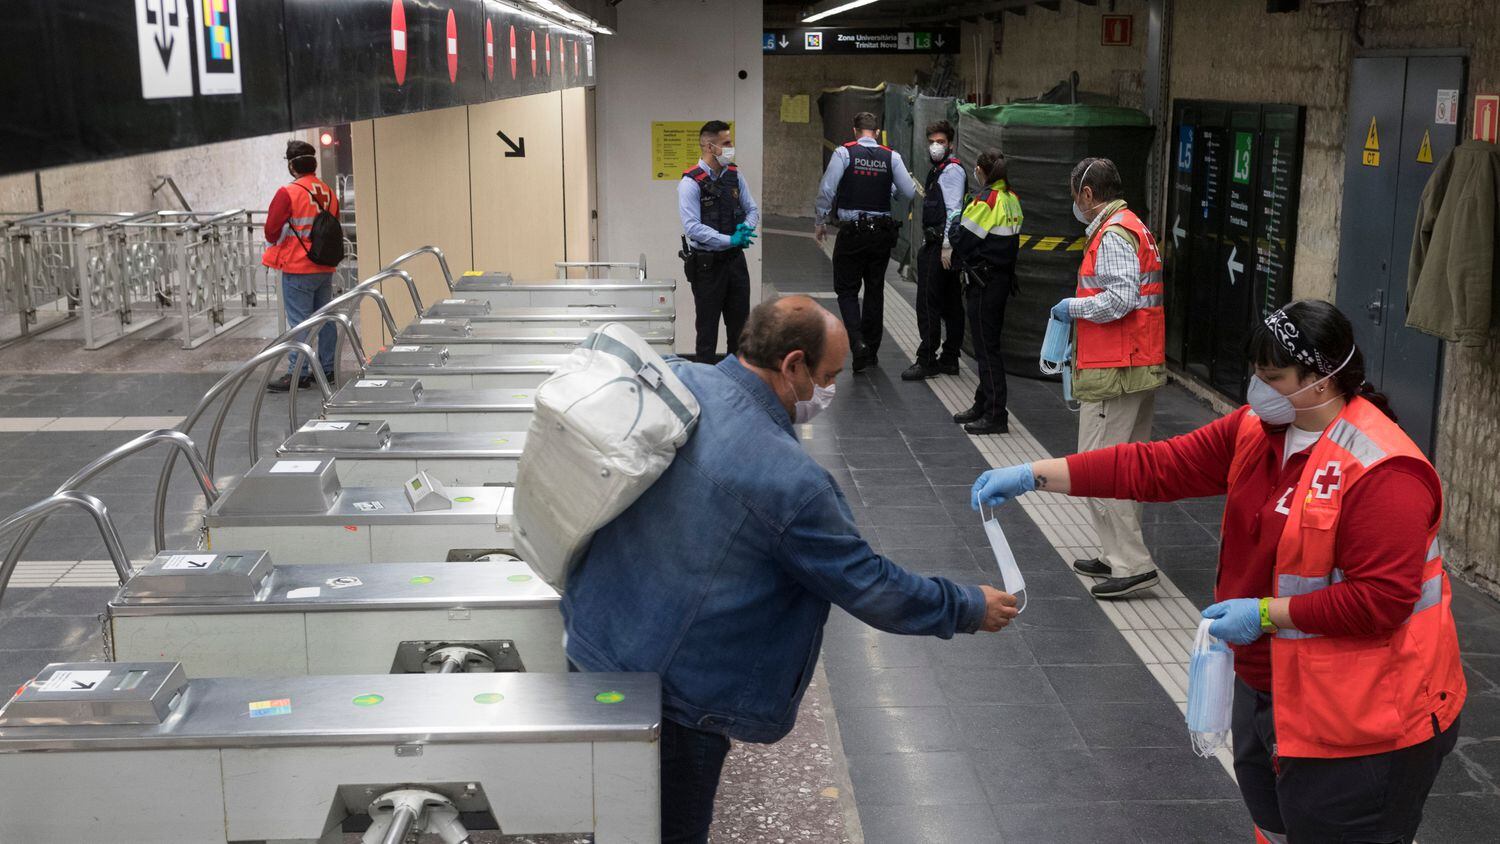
500	291
298	510
440	369
466	336
136	753
407	405
236	614
369	453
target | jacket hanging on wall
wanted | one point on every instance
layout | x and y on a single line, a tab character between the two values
1450	282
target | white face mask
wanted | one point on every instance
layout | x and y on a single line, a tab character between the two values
1010	572
807	409
726	156
937	151
1078	212
1080	216
1275	407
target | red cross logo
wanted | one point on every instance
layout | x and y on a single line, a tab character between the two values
1326	480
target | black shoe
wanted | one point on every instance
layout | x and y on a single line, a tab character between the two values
988	425
947	367
284	384
1119	587
1092	568
973	414
919	371
863	360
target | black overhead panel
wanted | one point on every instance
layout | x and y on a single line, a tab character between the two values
87	80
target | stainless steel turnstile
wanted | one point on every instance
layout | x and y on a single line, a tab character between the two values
439	369
406	405
526	339
369	453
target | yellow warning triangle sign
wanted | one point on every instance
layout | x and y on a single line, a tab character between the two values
1424	154
1372	138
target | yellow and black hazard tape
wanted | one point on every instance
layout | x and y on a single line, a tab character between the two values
1054	244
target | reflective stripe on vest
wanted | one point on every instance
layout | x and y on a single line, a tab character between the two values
1138	338
1291	585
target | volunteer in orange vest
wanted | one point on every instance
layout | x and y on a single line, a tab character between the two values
305	286
1330	587
1120	359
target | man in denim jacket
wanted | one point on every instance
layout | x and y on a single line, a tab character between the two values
720	576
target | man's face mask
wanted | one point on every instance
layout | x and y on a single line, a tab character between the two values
808	408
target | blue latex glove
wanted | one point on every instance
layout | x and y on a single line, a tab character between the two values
743	237
1060	311
998	486
1238	620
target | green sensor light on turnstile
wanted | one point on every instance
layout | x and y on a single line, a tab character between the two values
420	580
489	697
369	700
609	697
464	499
519	578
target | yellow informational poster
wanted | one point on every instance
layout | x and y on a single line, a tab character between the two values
795	108
674	147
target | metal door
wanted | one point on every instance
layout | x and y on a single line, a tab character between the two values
1393	112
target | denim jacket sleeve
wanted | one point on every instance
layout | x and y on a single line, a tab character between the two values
822	549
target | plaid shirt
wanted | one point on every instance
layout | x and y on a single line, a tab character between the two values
1118	271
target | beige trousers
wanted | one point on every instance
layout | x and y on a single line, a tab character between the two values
1122	419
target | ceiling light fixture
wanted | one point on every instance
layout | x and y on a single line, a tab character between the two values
829	9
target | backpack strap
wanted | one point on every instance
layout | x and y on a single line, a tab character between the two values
648	373
322	209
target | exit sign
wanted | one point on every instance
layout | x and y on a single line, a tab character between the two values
1117	30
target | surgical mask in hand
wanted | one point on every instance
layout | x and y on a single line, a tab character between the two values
726	156
822	397
937	151
1010	572
1210	703
1080	216
1273	408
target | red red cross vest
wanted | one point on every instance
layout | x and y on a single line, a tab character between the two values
288	254
1140	337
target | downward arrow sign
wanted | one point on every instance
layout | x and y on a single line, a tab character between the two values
783	42
517	149
938	40
1234	266
1177	231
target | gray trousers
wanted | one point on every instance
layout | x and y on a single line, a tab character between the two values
1122	419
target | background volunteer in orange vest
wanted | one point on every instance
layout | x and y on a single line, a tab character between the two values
862	177
718	222
1331	586
940	298
1119	362
305	286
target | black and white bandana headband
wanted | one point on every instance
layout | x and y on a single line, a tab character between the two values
1290	337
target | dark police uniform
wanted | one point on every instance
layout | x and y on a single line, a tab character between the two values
863	247
940	302
720	278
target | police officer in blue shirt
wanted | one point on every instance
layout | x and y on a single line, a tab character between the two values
718	222
862	177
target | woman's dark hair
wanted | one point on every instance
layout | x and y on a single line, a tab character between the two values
940	127
992	164
1326	329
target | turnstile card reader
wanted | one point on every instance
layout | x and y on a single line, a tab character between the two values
297	509
367	452
162	757
235	614
406	405
627	293
438	369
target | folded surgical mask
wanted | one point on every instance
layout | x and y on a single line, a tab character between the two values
1210	703
1010	573
1055	355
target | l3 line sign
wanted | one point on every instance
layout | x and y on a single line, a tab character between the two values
857	40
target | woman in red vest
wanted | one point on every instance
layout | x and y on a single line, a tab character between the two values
1330	585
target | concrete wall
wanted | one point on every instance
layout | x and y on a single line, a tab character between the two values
1040	48
794	151
673	61
234	174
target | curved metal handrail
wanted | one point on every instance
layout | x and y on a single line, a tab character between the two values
431	250
44	508
371	282
351	333
176	439
360	292
234	379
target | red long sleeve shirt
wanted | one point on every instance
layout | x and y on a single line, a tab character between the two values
279	212
1381	544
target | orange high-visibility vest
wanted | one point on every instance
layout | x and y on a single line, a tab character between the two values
1140	337
1340	696
289	254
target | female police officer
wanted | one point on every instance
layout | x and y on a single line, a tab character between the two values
1330	584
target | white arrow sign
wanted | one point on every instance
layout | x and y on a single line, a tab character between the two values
1177	232
783	42
1234	266
938	40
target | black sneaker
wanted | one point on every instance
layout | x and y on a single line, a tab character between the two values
919	371
947	367
1092	568
988	425
1119	587
284	384
973	414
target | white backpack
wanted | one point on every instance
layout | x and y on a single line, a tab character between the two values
607	424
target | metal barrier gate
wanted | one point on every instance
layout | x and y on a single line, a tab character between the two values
198	262
37	291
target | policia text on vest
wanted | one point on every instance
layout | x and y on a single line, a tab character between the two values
718	221
862	177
